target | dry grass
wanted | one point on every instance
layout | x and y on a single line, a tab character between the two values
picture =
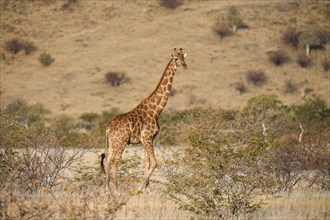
298	205
82	195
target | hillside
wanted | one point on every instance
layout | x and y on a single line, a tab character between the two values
88	39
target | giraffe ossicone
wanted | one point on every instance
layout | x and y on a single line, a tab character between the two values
140	125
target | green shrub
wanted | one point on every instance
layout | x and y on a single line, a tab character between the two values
313	112
46	59
234	162
89	120
30	116
220	174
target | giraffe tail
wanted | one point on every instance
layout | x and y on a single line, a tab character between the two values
102	164
106	150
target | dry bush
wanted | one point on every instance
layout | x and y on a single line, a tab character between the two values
28	47
15	45
326	65
71	200
290	37
323	35
116	78
170	4
223	30
290	86
68	5
302	161
240	87
37	165
303	60
278	57
256	77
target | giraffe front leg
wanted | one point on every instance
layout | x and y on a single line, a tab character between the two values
147	166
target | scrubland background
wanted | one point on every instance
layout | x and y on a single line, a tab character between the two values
60	110
88	39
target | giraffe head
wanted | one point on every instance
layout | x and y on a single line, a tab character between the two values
179	58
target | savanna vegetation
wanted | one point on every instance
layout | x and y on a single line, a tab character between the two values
233	162
266	157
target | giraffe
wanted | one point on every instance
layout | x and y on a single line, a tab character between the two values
140	125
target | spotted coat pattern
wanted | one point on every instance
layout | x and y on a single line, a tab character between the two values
140	125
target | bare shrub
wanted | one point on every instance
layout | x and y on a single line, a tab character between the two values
68	5
290	37
223	30
305	161
278	57
28	47
290	86
40	163
170	4
74	199
303	60
15	45
46	59
323	35
326	65
116	78
256	77
240	87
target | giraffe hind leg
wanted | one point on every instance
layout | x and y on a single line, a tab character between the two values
150	163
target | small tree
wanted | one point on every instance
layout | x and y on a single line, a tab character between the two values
223	172
235	20
307	40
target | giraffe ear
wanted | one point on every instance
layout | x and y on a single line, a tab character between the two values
184	55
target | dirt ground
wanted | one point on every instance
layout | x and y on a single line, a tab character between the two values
88	39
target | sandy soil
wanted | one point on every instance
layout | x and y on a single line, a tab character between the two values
91	38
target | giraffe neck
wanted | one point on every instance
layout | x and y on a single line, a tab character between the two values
159	97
